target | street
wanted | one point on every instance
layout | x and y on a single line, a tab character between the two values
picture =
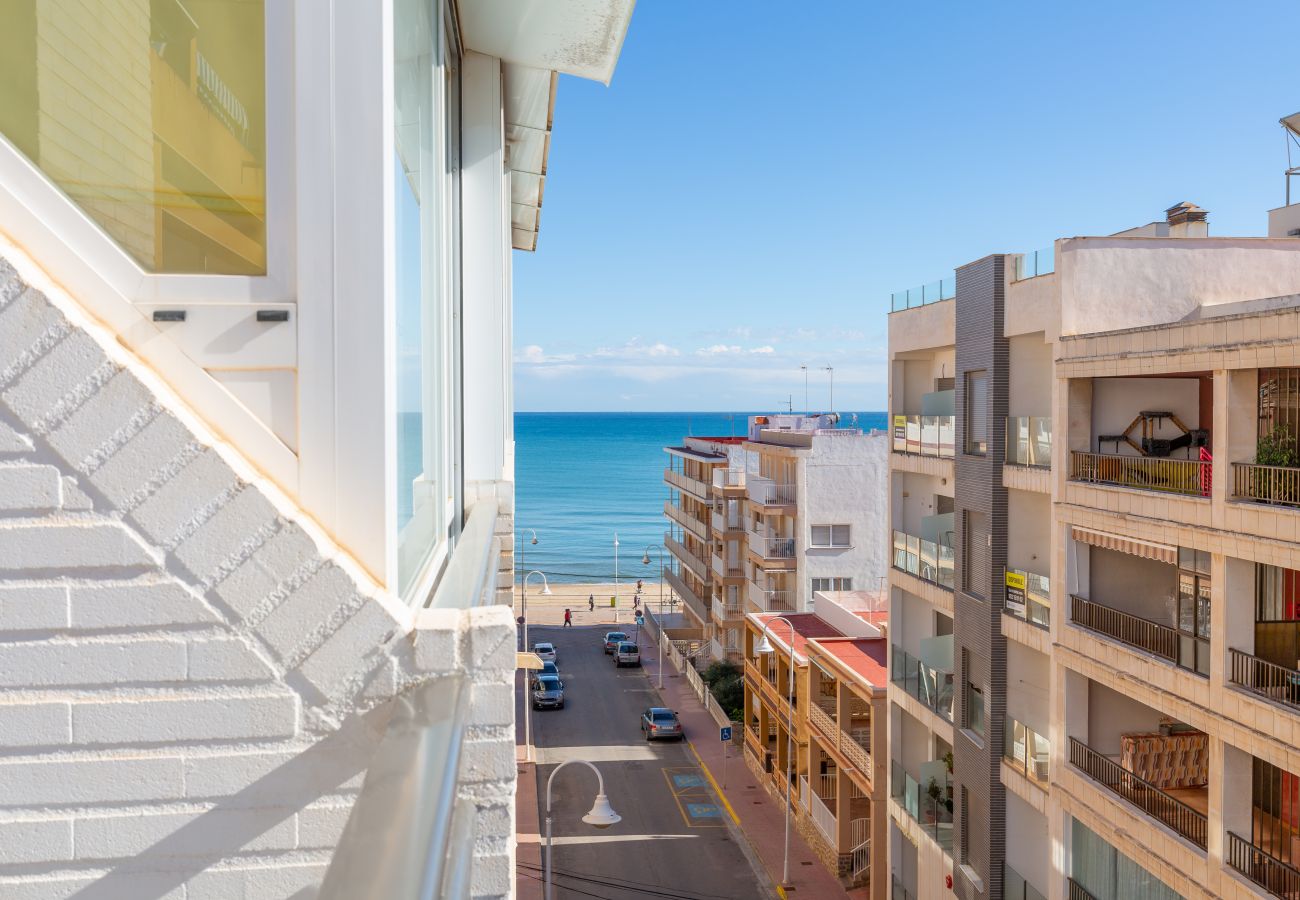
675	839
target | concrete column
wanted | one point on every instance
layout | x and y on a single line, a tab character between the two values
1234	615
1219	612
843	814
1221	433
1229	797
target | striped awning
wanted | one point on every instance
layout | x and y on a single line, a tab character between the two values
1132	546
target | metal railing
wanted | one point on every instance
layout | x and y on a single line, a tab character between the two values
686	520
721	522
931	813
725	569
686	483
769	493
1015	887
1033	263
932	687
860	857
772	547
1077	892
1143	634
1029	440
686	557
943	289
1026	751
1190	477
925	435
1263	868
1259	676
1139	792
1037	606
728	478
823	818
771	601
927	560
1278	485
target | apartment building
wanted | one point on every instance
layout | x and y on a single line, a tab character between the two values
256	463
816	713
1095	553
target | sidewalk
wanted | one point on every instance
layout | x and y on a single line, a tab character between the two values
758	815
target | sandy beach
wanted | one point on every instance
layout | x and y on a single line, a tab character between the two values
549	610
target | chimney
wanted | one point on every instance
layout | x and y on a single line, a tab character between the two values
1187	220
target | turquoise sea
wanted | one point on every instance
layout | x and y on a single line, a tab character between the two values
582	477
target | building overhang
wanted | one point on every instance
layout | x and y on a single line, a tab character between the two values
537	41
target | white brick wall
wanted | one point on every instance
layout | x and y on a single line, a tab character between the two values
187	667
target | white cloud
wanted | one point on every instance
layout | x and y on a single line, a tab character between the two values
635	349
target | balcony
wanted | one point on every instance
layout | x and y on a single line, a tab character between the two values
1029	441
1015	887
1189	477
930	805
763	545
686	557
689	598
722	523
814	804
1266	679
1029	597
856	748
927	560
1141	793
1273	485
934	292
729	482
925	435
1026	751
723	611
686	520
933	687
687	483
1181	649
724	569
766	492
1034	263
772	600
1263	868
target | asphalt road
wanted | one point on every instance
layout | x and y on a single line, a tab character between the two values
675	839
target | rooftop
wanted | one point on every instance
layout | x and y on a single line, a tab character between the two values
806	626
866	657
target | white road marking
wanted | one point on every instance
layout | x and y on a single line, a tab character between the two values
603	753
602	838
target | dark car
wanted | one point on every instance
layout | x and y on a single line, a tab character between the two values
548	668
548	693
658	722
613	639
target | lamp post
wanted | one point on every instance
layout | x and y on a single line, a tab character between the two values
831	369
602	815
645	561
616	576
805	390
522	565
765	646
528	700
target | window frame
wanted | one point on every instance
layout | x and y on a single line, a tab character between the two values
830	536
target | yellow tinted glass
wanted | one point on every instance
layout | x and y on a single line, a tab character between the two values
151	115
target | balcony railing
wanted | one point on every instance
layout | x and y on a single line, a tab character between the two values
924	435
722	523
1263	868
724	479
1076	891
1029	441
1033	263
1190	477
771	547
686	520
931	686
1036	606
1015	887
1143	634
857	751
1026	751
686	483
1139	792
686	557
943	289
771	601
931	813
1259	676
927	560
1277	485
725	569
769	493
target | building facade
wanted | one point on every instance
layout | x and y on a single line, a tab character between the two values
837	784
256	461
1093	561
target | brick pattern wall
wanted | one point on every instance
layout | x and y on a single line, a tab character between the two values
978	489
193	678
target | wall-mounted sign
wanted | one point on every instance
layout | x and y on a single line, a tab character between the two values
1015	602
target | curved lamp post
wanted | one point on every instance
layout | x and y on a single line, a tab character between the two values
522	565
528	702
645	561
602	815
765	646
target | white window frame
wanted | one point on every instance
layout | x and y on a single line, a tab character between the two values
831	543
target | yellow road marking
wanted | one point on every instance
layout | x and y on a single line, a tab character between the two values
717	790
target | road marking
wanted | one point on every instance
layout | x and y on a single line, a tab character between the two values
602	838
691	795
716	790
552	755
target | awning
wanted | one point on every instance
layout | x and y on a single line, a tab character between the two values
1132	546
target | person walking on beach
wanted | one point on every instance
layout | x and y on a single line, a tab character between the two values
591	603
568	618
636	601
638	585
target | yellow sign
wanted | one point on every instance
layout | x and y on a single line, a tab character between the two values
1015	580
900	421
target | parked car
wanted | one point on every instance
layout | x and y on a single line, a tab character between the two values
545	652
658	722
548	668
548	693
627	654
613	639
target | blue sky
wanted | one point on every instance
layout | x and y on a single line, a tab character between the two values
758	177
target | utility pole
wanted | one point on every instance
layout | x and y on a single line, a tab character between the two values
831	369
805	390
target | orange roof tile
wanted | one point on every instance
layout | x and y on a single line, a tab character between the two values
866	657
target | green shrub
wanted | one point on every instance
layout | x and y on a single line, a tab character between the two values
726	684
1277	448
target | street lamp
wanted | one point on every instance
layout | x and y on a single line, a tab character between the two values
616	576
764	647
831	369
528	703
602	815
805	390
522	565
645	561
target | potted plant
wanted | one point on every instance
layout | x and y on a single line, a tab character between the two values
935	793
1277	448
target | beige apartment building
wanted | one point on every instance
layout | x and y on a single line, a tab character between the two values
1095	626
792	508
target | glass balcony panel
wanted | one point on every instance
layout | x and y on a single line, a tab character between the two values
154	124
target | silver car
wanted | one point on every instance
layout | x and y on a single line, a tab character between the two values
548	693
658	722
627	654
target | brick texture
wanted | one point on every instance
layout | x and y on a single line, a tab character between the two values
191	675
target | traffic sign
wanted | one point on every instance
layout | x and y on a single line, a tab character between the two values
724	733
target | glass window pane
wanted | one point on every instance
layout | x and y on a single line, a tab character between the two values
152	118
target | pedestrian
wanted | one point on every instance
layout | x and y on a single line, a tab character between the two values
636	601
638	585
591	603
568	618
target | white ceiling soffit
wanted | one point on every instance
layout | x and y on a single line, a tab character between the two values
529	111
574	37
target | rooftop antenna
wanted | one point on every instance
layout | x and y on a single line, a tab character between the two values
805	390
1291	131
789	403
